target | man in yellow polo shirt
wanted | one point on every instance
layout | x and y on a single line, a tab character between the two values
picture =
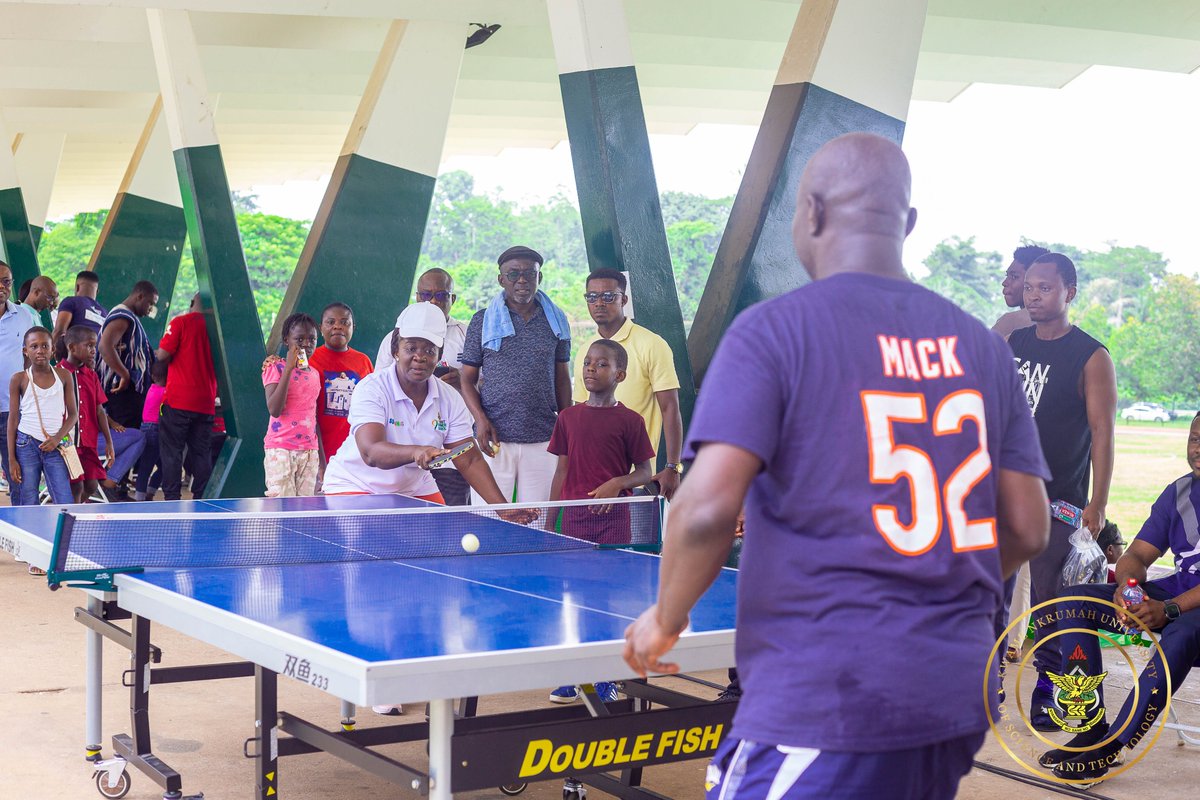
651	387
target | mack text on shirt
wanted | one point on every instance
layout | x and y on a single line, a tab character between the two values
920	359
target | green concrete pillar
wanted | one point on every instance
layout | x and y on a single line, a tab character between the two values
17	247
144	232
233	326
37	158
372	218
614	175
848	66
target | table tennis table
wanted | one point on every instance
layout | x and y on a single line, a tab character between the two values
318	590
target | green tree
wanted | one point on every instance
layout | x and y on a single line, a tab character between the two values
968	277
1157	357
66	247
1120	278
693	247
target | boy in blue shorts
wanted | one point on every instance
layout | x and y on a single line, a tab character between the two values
603	451
881	445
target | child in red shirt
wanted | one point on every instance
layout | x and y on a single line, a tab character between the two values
340	368
93	420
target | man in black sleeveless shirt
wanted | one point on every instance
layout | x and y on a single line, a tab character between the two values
1071	387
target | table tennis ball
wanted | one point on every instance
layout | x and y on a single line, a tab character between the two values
470	542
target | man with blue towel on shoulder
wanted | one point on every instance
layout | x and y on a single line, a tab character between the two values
515	377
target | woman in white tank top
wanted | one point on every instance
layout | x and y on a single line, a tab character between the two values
44	411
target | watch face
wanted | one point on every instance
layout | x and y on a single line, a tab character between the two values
1171	610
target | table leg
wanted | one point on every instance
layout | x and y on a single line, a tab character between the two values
266	712
441	729
93	681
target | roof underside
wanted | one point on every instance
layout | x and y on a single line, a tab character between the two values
289	72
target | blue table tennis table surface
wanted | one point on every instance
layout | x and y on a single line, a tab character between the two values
371	629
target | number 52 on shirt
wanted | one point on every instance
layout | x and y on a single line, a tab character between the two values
932	502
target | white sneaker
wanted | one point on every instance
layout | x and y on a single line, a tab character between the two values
388	711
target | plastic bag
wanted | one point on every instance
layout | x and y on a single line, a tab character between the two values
1085	561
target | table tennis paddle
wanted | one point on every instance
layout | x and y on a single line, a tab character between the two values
453	454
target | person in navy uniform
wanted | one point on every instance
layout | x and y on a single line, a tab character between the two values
892	479
1171	608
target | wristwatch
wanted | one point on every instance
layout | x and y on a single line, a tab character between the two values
1171	609
676	468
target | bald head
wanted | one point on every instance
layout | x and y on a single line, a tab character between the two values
853	210
43	293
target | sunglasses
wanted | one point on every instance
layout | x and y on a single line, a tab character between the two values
607	298
515	275
440	296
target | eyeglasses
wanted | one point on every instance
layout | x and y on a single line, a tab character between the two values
515	275
607	298
6	282
440	296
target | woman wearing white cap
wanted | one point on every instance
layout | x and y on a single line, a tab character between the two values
403	418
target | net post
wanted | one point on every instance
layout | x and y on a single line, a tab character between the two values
57	575
62	545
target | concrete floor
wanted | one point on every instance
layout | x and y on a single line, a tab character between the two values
200	727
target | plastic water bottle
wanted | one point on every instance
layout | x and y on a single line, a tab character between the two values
1131	595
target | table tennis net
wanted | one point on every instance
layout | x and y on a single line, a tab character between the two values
195	540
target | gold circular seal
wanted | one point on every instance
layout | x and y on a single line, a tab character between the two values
1077	706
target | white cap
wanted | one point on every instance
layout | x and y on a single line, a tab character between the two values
423	321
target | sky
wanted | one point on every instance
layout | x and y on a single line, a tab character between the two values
1111	157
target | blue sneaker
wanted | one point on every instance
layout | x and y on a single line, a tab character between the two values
565	694
606	691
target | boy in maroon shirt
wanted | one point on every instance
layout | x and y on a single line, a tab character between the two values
597	444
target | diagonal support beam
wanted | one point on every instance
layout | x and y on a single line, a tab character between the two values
848	66
228	301
375	208
614	175
144	232
17	246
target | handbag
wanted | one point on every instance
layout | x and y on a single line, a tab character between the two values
66	449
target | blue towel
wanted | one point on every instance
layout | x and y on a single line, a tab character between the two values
497	324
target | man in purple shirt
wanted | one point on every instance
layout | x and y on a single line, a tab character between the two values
892	478
81	308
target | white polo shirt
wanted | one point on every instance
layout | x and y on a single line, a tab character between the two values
378	398
456	336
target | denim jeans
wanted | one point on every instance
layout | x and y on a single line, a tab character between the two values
12	490
149	460
34	464
127	446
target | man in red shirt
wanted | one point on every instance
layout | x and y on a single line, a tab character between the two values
189	403
341	367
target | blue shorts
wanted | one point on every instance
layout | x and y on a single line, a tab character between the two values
743	770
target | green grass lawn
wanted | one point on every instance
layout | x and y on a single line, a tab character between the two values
1149	456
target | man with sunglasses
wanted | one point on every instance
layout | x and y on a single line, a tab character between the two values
436	286
651	385
519	347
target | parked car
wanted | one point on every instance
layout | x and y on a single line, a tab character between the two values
1146	412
